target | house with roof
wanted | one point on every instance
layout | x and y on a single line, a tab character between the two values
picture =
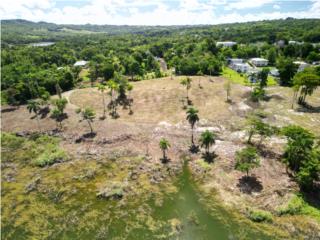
226	44
81	63
301	65
241	67
259	62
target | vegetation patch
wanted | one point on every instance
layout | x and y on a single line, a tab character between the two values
260	216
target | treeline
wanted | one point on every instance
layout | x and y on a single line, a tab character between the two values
308	30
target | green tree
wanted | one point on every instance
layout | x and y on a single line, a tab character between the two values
207	139
88	115
113	86
102	88
164	146
307	82
187	83
287	70
193	118
302	155
247	159
272	56
34	107
57	115
61	104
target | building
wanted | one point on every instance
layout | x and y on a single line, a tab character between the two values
241	67
301	65
226	44
80	63
232	61
295	42
274	72
259	62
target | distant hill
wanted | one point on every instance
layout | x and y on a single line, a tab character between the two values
23	31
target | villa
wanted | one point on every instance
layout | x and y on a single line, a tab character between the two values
226	44
259	62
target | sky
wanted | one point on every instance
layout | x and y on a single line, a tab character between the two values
156	12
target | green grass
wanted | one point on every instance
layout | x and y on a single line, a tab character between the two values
260	216
296	206
235	77
84	74
38	150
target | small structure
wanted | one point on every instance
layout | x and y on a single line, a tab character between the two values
80	63
259	62
301	65
295	42
241	67
274	72
226	44
232	61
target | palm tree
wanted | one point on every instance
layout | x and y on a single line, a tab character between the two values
102	88
113	86
207	139
192	117
34	107
186	82
89	115
164	145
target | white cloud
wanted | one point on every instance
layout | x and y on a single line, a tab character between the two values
160	13
244	4
276	6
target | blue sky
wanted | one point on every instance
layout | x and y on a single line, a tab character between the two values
157	12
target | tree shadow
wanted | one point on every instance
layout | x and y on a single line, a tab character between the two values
267	98
312	196
249	184
194	148
10	109
209	157
266	152
307	108
85	136
44	112
165	160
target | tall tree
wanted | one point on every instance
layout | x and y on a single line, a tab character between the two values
193	118
164	146
207	139
88	115
187	83
307	82
34	107
102	88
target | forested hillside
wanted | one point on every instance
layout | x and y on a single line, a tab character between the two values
22	31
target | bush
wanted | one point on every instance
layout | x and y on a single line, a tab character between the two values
260	216
50	156
295	206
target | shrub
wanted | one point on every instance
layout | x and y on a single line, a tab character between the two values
260	216
50	156
294	206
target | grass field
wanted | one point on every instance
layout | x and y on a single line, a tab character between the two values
84	74
237	78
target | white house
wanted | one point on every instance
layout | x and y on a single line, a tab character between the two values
241	67
80	63
295	42
235	60
301	65
274	72
259	62
226	44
